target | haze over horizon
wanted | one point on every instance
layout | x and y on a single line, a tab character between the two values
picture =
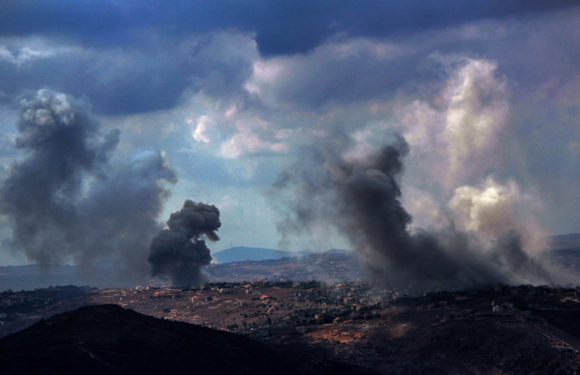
221	99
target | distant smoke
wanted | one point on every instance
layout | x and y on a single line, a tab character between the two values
456	134
481	231
360	196
179	252
67	201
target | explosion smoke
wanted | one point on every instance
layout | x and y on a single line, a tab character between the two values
361	198
179	251
66	201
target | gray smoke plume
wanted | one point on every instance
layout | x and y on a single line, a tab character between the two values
66	200
179	252
360	196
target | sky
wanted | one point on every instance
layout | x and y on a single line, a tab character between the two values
230	94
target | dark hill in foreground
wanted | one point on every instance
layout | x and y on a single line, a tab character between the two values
107	339
496	330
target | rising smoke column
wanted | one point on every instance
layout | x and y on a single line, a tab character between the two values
179	251
67	201
480	230
360	196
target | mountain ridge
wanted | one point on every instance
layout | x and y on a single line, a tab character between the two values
242	253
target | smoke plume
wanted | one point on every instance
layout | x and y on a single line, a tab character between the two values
361	197
179	251
67	201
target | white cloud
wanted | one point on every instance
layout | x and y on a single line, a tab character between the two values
247	143
25	54
200	131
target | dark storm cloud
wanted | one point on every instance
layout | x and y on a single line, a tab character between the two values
361	197
6	145
345	71
140	56
340	73
133	79
281	27
115	83
179	251
66	201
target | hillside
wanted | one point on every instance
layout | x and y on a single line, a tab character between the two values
249	263
107	339
32	276
293	327
565	241
332	265
242	253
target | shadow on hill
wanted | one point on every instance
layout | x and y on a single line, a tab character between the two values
107	339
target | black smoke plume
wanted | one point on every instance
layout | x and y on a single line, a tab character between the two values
67	201
179	251
360	196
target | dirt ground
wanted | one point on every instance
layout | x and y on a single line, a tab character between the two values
498	330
